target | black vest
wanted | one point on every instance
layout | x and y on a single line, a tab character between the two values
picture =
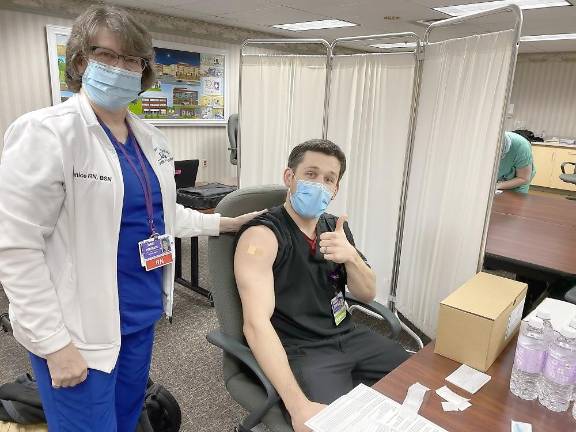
304	284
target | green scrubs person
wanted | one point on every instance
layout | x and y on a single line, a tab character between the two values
516	158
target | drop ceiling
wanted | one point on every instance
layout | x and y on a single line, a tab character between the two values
372	16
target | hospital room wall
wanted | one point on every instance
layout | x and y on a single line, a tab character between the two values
25	86
544	94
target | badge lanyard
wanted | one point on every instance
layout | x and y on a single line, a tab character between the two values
144	182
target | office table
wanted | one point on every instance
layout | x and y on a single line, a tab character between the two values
493	406
532	235
194	283
552	209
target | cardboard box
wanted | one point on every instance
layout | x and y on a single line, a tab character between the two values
477	321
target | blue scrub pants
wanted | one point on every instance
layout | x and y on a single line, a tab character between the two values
104	402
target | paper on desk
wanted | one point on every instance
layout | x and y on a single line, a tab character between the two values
366	410
468	379
521	427
449	406
448	395
414	397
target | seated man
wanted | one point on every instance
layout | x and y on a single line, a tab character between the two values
516	169
292	265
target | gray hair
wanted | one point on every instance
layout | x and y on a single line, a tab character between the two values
134	38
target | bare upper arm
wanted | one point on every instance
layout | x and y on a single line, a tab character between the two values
253	260
524	172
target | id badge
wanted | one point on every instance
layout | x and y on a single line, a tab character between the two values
156	252
338	308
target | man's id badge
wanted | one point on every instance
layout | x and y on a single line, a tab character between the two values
338	308
156	252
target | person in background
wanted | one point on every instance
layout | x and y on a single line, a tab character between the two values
516	169
85	187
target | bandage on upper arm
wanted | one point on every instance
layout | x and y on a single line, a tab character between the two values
254	250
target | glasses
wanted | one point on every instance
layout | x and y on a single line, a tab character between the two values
111	58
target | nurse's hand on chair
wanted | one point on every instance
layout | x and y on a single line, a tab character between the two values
335	245
304	414
67	367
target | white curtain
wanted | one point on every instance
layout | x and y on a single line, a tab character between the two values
368	117
461	103
282	106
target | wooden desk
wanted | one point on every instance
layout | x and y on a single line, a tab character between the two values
551	209
533	233
493	406
539	245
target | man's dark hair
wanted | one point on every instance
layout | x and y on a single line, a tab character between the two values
319	146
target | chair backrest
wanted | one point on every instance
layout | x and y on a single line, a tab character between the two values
221	261
233	138
185	172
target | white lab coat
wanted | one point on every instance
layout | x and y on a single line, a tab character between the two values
61	195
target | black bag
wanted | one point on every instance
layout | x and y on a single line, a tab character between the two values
203	197
161	412
20	403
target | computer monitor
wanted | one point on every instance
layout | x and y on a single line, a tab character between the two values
185	173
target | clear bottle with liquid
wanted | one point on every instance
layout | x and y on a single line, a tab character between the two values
559	375
529	359
546	317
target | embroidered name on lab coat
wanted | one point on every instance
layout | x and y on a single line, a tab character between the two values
164	155
92	176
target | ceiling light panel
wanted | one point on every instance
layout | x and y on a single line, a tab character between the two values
315	25
465	9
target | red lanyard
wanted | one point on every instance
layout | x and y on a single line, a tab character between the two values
144	182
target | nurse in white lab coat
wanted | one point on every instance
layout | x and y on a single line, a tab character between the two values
87	198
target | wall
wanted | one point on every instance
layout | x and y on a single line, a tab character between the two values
25	86
544	94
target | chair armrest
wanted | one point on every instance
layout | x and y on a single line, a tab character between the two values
378	309
567	163
242	353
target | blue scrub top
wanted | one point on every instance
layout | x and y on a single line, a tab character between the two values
139	291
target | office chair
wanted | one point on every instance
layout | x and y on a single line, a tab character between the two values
568	178
232	129
244	379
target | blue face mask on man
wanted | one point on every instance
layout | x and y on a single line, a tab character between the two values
110	87
310	199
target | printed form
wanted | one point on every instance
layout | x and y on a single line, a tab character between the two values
366	410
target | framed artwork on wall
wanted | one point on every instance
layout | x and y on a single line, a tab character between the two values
190	86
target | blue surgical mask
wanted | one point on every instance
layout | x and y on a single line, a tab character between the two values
310	199
110	87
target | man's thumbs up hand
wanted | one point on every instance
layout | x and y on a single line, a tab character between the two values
335	245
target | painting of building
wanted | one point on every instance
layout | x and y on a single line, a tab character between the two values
184	96
153	105
189	85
